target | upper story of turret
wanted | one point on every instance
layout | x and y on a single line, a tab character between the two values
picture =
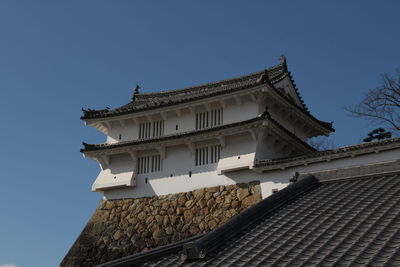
165	113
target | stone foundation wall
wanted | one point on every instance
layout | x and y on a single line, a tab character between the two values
120	228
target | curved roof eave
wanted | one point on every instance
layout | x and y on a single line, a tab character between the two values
260	118
151	101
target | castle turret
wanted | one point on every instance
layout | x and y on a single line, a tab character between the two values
180	140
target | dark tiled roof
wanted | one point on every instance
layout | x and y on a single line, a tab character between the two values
260	118
147	101
353	222
339	150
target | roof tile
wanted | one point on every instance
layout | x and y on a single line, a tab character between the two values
309	223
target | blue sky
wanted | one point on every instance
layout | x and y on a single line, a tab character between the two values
57	57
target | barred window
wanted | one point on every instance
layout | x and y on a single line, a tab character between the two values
215	153
151	129
207	119
207	155
148	164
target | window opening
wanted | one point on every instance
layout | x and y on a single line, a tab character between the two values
148	164
207	155
151	129
207	119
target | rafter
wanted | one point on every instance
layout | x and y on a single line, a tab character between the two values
192	110
253	134
207	106
162	151
108	125
238	99
222	141
191	148
133	155
163	115
222	103
149	118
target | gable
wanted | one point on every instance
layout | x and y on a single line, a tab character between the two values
289	89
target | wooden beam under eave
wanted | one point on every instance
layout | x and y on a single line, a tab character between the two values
106	159
178	112
253	134
102	127
149	118
192	110
238	100
97	126
133	155
135	120
107	124
122	122
222	103
253	97
191	148
222	141
163	115
207	106
162	151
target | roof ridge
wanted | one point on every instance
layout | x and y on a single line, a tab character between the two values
329	151
152	253
154	100
210	83
358	177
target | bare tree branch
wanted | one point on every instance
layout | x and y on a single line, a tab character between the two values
321	143
382	104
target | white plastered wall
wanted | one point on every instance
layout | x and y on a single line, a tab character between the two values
186	120
179	162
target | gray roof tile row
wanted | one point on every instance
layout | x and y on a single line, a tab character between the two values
150	101
370	145
147	101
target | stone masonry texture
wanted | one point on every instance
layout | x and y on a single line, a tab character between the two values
124	227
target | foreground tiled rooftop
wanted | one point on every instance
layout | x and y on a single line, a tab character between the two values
352	222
